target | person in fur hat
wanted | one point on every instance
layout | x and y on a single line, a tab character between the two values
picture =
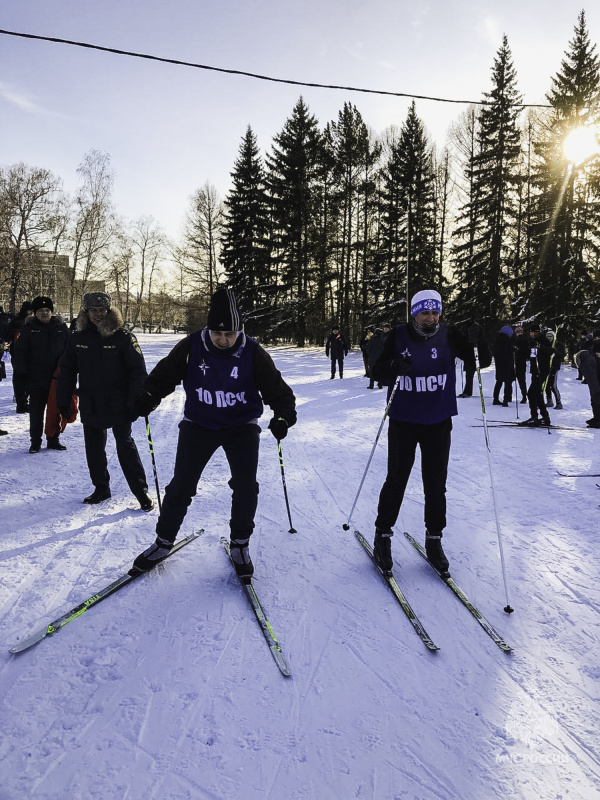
36	352
226	376
109	364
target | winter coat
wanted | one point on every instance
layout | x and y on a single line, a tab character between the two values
521	347
172	370
558	356
540	356
38	349
503	358
375	348
111	370
336	346
589	364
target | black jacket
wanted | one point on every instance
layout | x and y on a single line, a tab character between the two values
336	346
375	348
111	371
503	358
171	370
38	349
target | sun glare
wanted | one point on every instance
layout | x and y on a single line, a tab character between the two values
580	144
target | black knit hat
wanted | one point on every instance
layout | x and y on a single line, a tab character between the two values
224	314
41	302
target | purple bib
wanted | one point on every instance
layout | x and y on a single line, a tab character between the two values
427	393
220	388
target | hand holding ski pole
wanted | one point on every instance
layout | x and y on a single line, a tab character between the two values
151	446
287	502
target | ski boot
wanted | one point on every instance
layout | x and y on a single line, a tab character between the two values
382	550
240	555
156	553
435	552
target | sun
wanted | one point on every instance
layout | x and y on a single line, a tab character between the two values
580	144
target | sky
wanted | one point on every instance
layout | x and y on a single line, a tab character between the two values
171	129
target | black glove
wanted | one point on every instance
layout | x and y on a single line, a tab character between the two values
64	411
278	428
400	366
144	404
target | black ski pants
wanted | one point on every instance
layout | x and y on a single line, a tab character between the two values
434	442
535	396
340	362
521	372
195	448
127	453
38	399
20	390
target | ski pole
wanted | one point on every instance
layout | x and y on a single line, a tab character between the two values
346	525
151	446
508	608
285	494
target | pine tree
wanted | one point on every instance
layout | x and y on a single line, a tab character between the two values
293	183
408	215
566	229
246	229
492	207
349	145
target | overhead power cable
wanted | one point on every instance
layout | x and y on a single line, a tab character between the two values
179	63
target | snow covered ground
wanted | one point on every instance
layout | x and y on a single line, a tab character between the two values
167	690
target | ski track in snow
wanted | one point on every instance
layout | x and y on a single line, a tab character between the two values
167	690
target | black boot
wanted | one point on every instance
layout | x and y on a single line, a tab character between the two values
240	555
146	502
156	553
54	443
435	552
97	496
532	422
382	550
35	447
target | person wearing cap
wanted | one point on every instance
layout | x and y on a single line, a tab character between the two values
106	362
36	352
558	355
539	357
226	376
505	366
336	348
418	365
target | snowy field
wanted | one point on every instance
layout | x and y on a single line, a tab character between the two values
167	691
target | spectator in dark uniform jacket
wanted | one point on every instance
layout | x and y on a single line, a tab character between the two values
13	331
37	350
110	367
226	376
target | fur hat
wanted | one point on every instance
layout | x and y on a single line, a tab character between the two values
427	300
41	302
224	314
96	300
